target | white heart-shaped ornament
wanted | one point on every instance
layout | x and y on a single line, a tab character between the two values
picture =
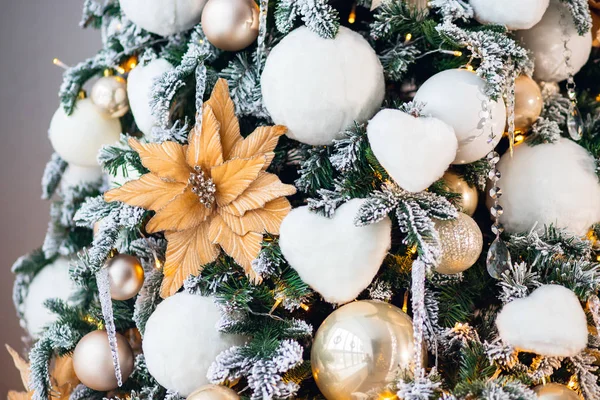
414	151
549	322
334	256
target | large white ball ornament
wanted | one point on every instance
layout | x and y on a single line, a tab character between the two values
549	184
139	90
514	14
315	86
163	17
457	97
78	137
181	341
545	40
52	282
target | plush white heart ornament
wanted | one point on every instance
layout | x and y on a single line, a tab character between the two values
549	322
333	256
414	151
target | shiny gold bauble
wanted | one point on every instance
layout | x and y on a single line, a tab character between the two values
126	276
109	93
213	392
93	363
469	197
361	347
230	25
528	102
555	391
462	242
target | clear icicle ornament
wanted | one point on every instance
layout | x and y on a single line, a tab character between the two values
498	258
574	120
103	282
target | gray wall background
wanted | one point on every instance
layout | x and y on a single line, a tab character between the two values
32	33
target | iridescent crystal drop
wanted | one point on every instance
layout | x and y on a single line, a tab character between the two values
575	122
498	258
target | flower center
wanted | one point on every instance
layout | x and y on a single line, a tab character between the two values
202	187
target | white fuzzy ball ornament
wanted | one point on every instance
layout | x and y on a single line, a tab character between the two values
414	151
163	17
552	183
334	256
139	89
52	282
514	14
457	97
75	175
550	322
181	341
78	137
315	86
546	42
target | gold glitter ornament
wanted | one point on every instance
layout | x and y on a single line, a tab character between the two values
462	243
469	197
361	347
555	391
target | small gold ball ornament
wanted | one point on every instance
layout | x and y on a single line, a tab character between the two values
528	102
126	276
555	391
213	392
230	25
109	93
93	364
469	197
361	347
462	243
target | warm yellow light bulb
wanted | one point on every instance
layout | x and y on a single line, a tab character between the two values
457	53
352	16
519	138
387	395
304	307
408	37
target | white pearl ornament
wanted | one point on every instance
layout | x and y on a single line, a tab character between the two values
78	137
162	17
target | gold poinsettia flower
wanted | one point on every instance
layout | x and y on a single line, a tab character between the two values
214	192
62	378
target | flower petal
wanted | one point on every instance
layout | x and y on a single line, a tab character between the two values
21	365
233	177
167	160
185	212
243	249
224	110
149	192
265	188
204	148
262	141
187	253
267	219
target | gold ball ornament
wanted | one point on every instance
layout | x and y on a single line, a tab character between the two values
528	102
469	197
93	364
555	391
361	347
462	243
126	276
230	25
214	392
109	93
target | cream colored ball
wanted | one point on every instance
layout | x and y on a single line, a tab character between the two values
214	392
457	97
78	137
161	17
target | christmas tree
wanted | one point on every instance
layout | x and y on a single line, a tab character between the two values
339	199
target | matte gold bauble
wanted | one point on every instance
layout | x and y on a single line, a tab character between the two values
469	197
230	25
109	93
462	242
361	347
555	391
93	364
213	392
126	276
528	102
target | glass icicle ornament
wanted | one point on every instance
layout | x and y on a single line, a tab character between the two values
574	120
103	281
